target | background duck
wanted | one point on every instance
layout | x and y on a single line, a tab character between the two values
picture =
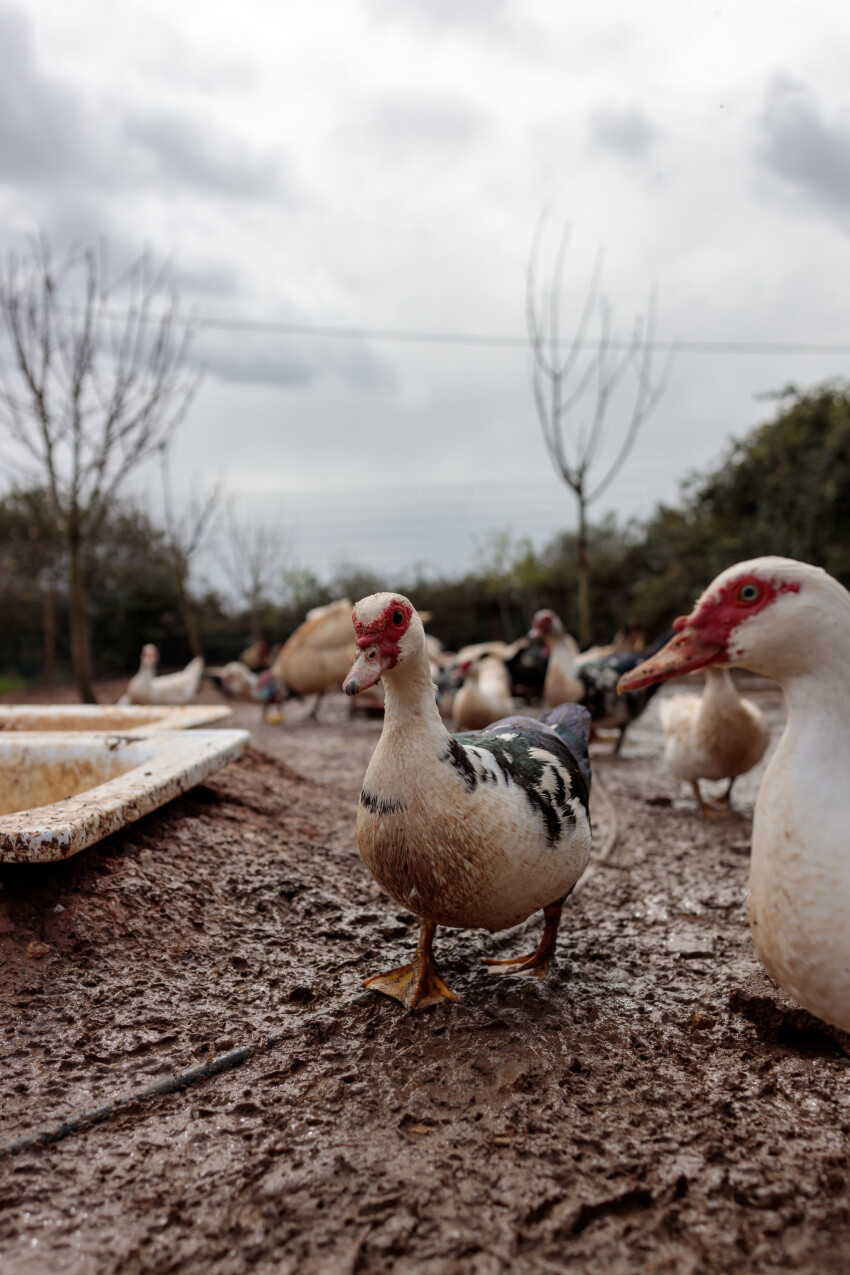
172	688
317	655
485	695
592	683
718	735
791	622
479	829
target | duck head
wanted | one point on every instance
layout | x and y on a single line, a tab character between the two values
387	631
768	615
545	625
150	656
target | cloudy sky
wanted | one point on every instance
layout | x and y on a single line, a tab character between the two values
380	165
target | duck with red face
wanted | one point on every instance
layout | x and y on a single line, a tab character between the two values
479	829
791	622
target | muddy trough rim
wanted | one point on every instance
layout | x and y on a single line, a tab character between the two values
137	717
182	759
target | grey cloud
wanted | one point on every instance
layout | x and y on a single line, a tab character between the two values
444	15
175	149
801	147
627	131
290	363
405	126
48	138
41	134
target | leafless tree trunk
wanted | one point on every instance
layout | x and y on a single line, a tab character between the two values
49	626
90	391
252	563
185	536
567	374
78	621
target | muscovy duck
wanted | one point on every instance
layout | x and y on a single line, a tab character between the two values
485	695
480	829
171	688
593	684
718	735
791	622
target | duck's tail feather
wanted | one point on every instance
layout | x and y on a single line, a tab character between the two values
572	723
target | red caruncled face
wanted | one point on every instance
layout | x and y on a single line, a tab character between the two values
716	618
385	632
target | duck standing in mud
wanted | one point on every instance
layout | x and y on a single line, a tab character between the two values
479	829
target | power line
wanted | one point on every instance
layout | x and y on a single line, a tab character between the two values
497	341
491	340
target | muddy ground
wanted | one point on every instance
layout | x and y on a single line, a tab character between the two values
654	1106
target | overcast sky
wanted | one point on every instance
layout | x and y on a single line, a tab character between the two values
381	164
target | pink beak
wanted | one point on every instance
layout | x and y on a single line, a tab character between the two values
684	653
366	670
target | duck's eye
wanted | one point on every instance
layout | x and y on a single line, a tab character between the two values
398	616
749	593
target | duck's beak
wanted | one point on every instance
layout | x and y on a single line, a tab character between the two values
684	653
366	670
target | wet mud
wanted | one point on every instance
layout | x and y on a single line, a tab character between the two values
655	1105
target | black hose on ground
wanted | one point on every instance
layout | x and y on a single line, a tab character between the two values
172	1084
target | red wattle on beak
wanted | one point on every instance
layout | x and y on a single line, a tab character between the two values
684	653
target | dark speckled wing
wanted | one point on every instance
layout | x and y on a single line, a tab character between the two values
600	678
527	754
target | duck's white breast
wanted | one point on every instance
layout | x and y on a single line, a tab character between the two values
472	858
800	875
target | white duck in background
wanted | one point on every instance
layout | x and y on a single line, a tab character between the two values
171	688
791	622
235	680
592	683
718	735
485	695
562	684
472	830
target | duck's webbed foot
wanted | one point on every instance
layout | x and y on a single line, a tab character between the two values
722	810
538	962
418	984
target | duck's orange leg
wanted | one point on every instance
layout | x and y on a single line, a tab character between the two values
721	811
418	984
538	962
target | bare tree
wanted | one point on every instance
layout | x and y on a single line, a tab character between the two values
89	392
185	536
252	563
567	375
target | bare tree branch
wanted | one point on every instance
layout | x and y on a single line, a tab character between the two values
87	397
561	384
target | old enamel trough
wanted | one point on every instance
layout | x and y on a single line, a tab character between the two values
109	717
63	791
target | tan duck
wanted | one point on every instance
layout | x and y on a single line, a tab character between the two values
485	695
317	655
718	735
480	829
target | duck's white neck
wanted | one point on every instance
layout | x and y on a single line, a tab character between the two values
410	699
561	652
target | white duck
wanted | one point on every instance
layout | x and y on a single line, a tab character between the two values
473	830
791	622
171	688
718	735
562	684
485	695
